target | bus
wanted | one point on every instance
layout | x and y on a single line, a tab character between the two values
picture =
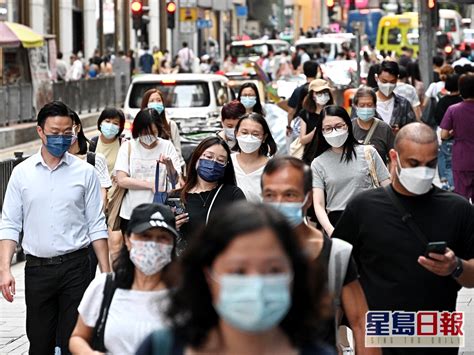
370	18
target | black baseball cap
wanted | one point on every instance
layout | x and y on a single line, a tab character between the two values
152	215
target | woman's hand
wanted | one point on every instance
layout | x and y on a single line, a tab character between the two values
167	161
181	219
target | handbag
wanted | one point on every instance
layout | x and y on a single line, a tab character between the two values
161	196
371	163
296	148
115	201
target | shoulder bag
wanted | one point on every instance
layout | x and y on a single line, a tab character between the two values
97	342
116	199
371	163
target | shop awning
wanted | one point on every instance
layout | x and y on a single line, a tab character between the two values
16	35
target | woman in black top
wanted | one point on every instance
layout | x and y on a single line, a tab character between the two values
319	96
210	185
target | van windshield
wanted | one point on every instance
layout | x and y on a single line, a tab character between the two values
248	51
179	94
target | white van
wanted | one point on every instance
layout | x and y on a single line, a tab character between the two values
450	21
189	98
252	50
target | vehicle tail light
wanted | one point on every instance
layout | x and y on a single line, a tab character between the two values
168	82
128	125
448	49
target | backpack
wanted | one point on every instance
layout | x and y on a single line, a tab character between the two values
91	158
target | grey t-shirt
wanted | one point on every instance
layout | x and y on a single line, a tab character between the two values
343	180
382	139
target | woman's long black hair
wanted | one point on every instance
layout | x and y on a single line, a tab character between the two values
191	308
82	140
192	176
321	145
258	106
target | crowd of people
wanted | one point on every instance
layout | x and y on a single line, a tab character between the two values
235	251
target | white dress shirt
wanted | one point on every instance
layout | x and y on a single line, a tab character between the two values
59	210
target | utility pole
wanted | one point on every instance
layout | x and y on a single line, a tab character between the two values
426	40
163	25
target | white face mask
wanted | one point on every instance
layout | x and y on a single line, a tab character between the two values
229	133
248	143
148	139
336	139
386	88
417	180
322	99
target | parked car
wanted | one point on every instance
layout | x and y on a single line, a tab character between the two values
193	101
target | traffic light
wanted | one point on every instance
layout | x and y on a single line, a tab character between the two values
330	4
433	8
137	13
171	10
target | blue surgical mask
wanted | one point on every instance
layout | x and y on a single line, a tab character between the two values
57	145
210	170
254	303
158	106
365	113
109	130
248	101
293	211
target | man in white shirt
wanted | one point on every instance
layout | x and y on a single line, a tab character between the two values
54	198
61	67
76	71
186	58
463	60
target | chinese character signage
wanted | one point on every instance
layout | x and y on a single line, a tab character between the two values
414	329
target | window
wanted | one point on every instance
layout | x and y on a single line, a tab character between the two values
221	93
249	51
181	94
394	36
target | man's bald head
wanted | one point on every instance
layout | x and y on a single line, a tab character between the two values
416	132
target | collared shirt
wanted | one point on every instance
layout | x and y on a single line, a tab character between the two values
59	210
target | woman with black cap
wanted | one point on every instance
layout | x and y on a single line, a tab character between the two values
119	310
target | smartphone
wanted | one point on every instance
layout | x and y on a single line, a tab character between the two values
177	206
436	247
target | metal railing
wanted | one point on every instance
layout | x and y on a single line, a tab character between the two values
83	96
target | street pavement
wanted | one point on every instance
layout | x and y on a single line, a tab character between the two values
13	333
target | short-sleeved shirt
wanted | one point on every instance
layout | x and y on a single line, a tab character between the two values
460	118
434	89
110	152
248	183
132	316
408	92
341	180
310	118
443	105
382	139
297	95
386	250
143	167
385	109
198	204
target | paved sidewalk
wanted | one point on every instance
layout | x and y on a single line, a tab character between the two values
13	334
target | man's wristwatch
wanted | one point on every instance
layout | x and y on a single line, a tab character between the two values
459	269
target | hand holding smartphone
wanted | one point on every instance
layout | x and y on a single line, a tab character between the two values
177	206
436	247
